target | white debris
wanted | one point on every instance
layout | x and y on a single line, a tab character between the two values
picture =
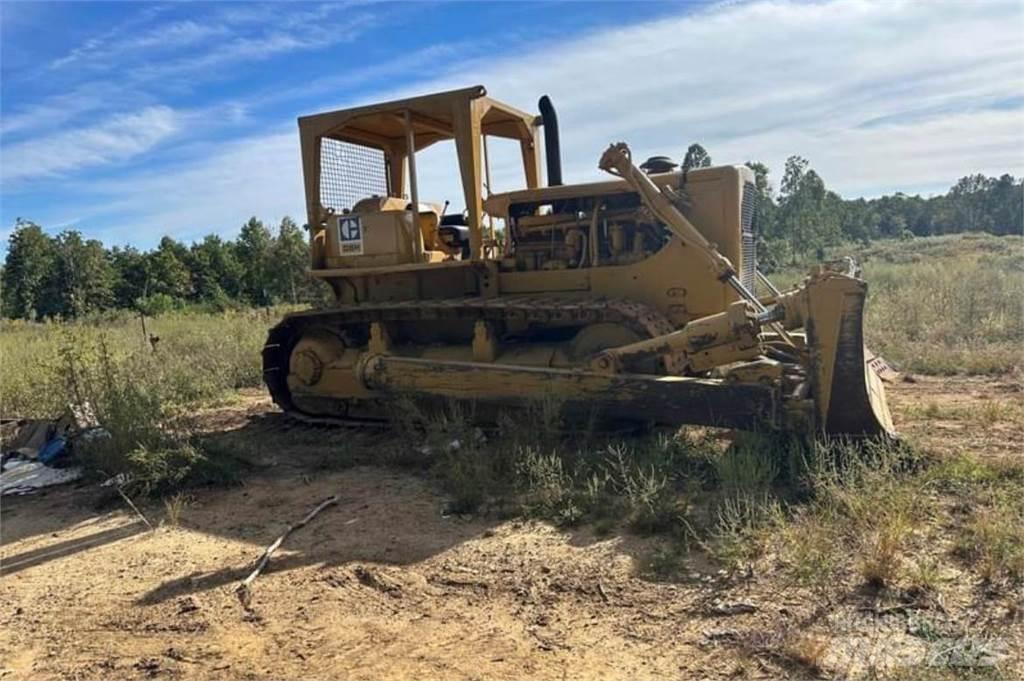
25	477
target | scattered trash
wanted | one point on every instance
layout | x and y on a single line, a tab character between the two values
22	477
52	450
26	437
119	480
36	451
83	416
93	434
719	609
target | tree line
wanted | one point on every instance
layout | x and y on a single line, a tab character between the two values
67	275
803	217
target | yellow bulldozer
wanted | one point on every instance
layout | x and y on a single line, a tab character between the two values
637	299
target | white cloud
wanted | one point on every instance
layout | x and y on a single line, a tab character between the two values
117	139
174	35
249	48
259	176
769	79
879	96
109	40
204	46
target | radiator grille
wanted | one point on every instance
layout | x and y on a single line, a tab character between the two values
350	172
748	268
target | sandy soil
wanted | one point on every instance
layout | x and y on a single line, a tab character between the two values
385	585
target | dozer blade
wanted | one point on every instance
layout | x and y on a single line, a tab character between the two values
847	377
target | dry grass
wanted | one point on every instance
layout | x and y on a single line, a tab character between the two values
174	507
198	359
992	538
983	413
943	305
806	651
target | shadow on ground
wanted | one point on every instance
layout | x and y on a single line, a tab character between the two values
388	514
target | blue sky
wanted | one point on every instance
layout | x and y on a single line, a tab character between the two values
128	121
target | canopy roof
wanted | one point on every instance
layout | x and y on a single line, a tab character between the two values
434	117
463	115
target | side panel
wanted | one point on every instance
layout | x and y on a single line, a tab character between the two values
675	280
384	238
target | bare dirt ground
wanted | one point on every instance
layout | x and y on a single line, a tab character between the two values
387	586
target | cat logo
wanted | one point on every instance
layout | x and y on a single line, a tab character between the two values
350	235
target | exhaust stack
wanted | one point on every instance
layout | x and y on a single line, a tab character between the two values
552	148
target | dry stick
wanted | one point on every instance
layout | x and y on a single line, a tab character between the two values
135	508
243	592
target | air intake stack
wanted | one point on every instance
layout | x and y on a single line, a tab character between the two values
552	148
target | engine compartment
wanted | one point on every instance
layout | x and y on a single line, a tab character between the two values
580	233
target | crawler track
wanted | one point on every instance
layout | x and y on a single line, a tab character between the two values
540	310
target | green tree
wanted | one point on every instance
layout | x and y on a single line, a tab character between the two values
290	261
131	275
168	270
969	198
27	268
216	272
254	250
765	208
696	157
82	279
808	212
1006	198
858	221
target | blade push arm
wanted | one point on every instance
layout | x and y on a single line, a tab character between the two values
618	161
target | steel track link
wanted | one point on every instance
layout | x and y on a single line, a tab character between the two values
640	318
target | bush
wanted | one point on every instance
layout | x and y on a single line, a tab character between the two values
137	397
157	304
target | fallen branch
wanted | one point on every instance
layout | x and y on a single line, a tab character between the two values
243	591
135	508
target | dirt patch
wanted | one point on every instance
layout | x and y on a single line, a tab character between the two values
386	585
383	586
961	415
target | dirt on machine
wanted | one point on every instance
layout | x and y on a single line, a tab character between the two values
636	299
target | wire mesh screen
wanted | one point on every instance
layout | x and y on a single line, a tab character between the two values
350	172
749	240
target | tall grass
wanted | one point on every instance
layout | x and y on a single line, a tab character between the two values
943	305
198	357
139	390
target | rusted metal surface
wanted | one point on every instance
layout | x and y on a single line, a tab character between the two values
654	399
539	310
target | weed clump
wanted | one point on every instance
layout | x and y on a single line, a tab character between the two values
137	439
